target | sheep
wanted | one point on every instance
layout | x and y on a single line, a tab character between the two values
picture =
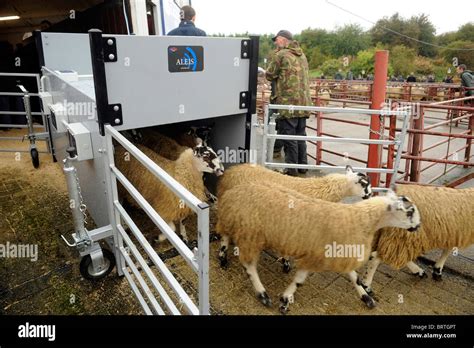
446	225
333	188
306	228
161	144
187	170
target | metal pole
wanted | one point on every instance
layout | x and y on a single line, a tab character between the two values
467	154
203	258
265	133
378	100
75	200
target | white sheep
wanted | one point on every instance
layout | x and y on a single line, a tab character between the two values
448	223
187	170
332	188
162	144
305	228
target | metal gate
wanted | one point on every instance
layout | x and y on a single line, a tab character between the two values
31	135
397	142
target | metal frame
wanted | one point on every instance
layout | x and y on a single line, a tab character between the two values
198	259
398	142
32	135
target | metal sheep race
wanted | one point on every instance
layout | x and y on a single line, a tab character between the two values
97	87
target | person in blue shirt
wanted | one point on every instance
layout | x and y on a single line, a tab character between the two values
187	27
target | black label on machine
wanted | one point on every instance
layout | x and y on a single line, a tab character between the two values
185	58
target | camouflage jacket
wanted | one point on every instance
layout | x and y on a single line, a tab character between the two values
288	68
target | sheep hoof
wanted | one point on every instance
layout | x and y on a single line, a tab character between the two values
369	301
265	299
284	305
223	262
437	275
422	275
367	289
286	266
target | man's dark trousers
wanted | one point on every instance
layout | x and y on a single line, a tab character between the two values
295	151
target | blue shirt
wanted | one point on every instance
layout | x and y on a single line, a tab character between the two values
187	28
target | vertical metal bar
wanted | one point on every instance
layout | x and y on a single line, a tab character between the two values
203	258
417	146
391	150
378	99
467	153
319	131
77	216
401	139
265	133
112	195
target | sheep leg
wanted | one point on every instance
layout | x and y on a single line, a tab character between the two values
288	295
416	270
369	301
262	295
182	231
162	237
372	265
223	251
286	264
438	267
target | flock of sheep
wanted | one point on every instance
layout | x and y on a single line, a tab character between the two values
301	218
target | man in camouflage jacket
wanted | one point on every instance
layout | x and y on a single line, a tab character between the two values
288	68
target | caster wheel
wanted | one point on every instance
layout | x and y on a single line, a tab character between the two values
35	157
87	269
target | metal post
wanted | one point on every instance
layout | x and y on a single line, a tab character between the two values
75	199
112	196
378	100
265	132
417	147
203	258
391	150
467	154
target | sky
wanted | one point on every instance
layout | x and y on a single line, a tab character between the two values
269	16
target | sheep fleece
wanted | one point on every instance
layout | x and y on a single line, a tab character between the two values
162	199
332	187
447	221
258	218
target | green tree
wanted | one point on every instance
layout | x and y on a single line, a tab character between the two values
466	32
348	40
402	60
450	54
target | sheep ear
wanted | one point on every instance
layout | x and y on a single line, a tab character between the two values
349	169
198	141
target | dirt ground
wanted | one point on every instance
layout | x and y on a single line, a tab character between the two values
34	210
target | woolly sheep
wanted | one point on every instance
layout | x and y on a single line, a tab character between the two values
332	187
304	228
162	145
187	170
448	222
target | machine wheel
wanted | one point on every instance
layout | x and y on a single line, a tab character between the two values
87	269
35	157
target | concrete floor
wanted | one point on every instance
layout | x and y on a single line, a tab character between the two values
34	210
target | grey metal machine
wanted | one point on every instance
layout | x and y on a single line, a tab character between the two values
94	87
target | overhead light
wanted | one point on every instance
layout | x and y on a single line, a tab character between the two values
9	18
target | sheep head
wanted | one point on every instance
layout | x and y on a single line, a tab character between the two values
359	183
206	160
402	212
